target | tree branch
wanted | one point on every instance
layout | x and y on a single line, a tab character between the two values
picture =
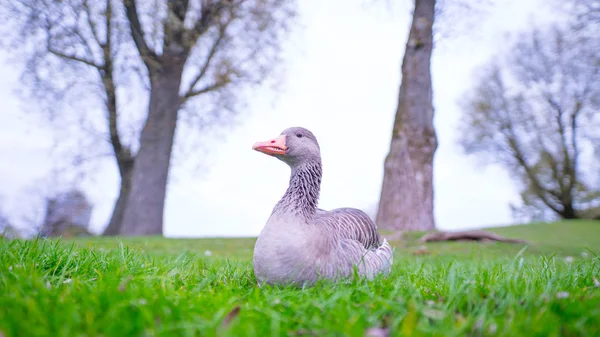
574	118
77	31
122	153
71	57
179	8
148	56
207	62
107	47
538	189
91	23
203	90
208	13
558	176
508	131
110	89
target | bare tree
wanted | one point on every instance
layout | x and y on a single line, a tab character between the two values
407	196
406	200
187	60
536	112
585	12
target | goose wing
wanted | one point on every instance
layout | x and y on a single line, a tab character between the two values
350	223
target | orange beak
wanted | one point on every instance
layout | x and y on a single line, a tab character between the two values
272	147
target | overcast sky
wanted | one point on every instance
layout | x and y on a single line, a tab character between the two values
343	74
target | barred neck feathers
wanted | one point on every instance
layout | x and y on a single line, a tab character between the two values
301	198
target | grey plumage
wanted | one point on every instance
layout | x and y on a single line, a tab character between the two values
302	243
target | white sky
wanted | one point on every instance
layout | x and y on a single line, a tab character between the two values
343	73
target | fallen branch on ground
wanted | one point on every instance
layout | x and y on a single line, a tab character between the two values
475	235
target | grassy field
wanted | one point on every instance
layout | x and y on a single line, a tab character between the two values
206	287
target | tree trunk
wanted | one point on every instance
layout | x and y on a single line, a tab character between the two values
145	204
406	201
568	212
116	219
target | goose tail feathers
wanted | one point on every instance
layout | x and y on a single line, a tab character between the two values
379	260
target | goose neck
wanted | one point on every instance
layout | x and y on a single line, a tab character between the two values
301	198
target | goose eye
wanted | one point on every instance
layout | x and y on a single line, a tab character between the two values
299	135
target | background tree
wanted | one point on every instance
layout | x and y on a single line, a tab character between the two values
536	112
186	60
585	12
406	200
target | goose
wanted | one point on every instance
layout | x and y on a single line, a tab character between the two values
301	243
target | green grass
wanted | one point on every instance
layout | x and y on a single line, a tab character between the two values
169	287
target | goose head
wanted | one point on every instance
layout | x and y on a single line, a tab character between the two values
294	146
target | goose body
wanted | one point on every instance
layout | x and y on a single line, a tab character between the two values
301	243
